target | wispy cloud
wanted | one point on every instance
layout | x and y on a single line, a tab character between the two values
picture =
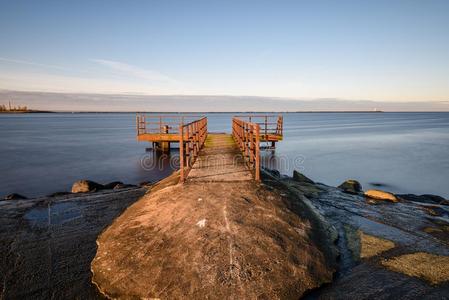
34	76
30	63
134	71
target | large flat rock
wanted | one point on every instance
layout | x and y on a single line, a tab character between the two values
210	240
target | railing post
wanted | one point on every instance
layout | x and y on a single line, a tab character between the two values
251	144
245	139
160	124
195	139
266	121
282	124
181	151
257	154
188	146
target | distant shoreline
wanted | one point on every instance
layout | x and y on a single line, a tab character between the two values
26	112
214	112
187	112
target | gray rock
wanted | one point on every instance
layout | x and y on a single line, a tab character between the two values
85	186
351	186
298	177
15	196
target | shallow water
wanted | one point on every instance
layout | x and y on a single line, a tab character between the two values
406	152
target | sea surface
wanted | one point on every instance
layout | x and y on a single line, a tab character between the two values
399	152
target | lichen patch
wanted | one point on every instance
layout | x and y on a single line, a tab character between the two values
430	267
372	246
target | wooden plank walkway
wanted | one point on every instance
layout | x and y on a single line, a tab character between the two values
220	160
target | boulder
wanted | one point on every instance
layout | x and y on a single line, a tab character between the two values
351	186
301	178
112	185
381	195
206	248
15	196
85	186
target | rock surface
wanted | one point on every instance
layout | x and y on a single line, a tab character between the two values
58	194
217	240
15	196
381	195
299	177
112	185
371	245
86	186
47	244
430	267
389	232
274	173
123	186
431	199
146	183
351	186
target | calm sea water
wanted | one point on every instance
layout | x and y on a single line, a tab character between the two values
405	152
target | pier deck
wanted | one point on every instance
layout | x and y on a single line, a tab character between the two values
220	160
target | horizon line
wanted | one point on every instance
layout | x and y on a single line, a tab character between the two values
223	95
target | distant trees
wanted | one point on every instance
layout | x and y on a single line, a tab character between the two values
10	107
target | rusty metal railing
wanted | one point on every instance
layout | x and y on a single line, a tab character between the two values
269	124
191	140
154	124
247	137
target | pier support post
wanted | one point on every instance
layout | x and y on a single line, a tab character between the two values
164	146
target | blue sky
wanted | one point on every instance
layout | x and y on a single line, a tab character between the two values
362	50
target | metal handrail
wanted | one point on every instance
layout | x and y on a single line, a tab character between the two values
147	123
191	140
247	137
269	124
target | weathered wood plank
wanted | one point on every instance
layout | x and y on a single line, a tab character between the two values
220	160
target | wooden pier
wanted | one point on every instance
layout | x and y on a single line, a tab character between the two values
190	132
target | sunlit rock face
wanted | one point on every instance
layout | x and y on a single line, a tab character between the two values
220	240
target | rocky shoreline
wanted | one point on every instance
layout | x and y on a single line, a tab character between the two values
84	186
387	245
47	243
390	246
